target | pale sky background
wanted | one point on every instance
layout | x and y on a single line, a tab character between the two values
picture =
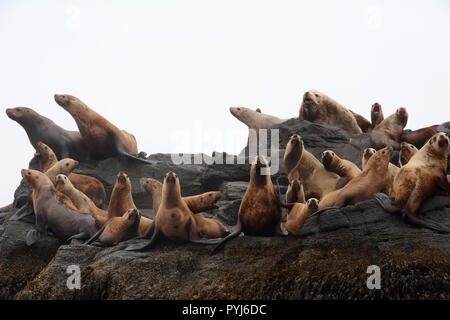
151	67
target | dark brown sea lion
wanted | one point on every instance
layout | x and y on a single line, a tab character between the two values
363	123
419	137
389	131
295	192
376	114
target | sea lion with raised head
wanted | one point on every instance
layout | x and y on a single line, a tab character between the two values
295	192
376	114
301	164
419	137
66	144
420	178
343	168
52	215
407	150
319	108
101	137
389	131
117	229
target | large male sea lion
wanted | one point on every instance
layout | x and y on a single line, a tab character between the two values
52	215
118	229
90	186
301	164
66	144
420	178
260	210
376	114
419	137
101	137
389	131
343	168
319	108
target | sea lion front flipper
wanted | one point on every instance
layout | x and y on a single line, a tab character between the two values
32	237
96	235
80	236
24	211
385	202
146	244
323	210
232	235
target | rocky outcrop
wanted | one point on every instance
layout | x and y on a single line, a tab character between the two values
328	260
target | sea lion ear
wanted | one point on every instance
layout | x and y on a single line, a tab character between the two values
258	110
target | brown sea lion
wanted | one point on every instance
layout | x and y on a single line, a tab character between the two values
319	108
198	203
420	178
255	120
343	168
299	213
118	229
174	221
295	192
101	137
66	144
407	150
376	114
419	137
52	215
81	201
301	164
90	186
362	187
122	200
260	210
389	131
362	122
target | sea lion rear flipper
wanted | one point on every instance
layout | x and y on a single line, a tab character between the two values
385	202
427	224
80	236
96	235
24	211
32	237
232	235
323	210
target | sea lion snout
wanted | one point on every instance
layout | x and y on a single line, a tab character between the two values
171	177
313	203
62	100
443	140
327	157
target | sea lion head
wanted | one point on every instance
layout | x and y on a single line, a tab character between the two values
214	195
67	165
376	113
312	99
171	178
439	143
149	184
123	181
245	115
294	148
34	178
368	152
132	215
294	188
22	115
43	150
407	150
402	116
328	159
312	204
258	163
62	182
380	160
72	104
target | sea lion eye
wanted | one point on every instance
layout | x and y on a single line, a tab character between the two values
210	194
382	152
67	164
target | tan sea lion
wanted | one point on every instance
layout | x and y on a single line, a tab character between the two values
90	186
362	187
407	150
52	215
420	178
299	213
66	144
81	201
101	137
118	229
389	131
301	164
376	114
419	137
174	221
260	210
122	200
343	168
295	192
64	166
319	108
198	203
362	122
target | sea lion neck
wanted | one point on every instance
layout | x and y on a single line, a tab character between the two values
171	195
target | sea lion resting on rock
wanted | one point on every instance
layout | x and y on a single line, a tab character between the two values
376	114
389	131
66	144
301	164
80	200
370	181
420	178
419	137
407	150
319	108
52	215
101	137
122	200
118	229
344	168
174	221
90	186
260	210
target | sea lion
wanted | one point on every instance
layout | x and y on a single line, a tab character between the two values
420	178
66	144
255	120
118	229
64	166
343	168
101	137
174	220
301	164
362	122
362	187
407	150
319	108
81	201
295	192
121	200
419	137
299	213
260	210
390	176
389	131
376	114
52	215
90	186
198	203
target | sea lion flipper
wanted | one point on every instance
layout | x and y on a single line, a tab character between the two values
385	202
32	237
145	244
206	241
24	211
133	156
79	236
323	210
232	235
96	235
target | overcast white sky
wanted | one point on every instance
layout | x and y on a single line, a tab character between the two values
152	66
